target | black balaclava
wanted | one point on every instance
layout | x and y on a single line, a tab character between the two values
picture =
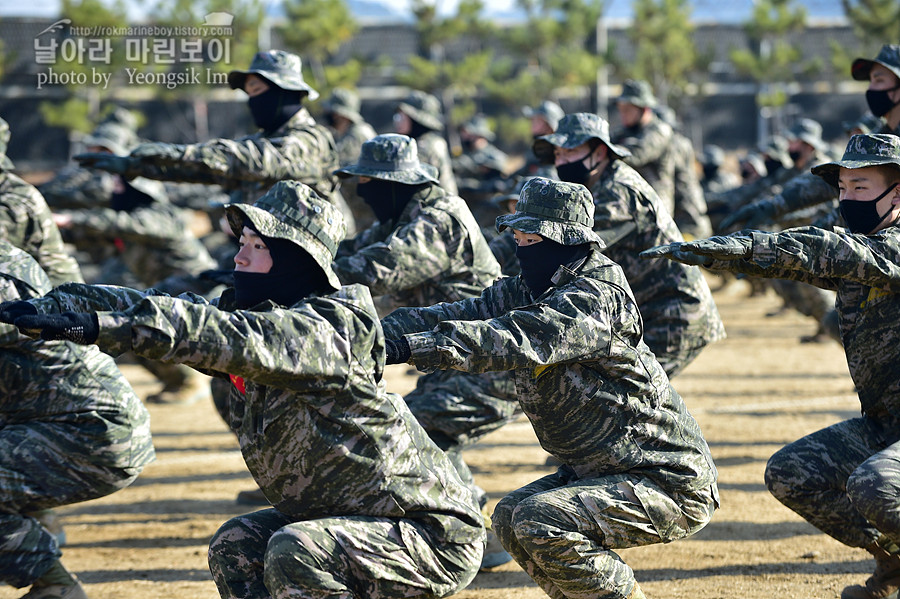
294	275
417	129
862	216
129	199
274	107
387	199
539	261
879	102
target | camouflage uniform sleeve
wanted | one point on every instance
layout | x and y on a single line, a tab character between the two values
157	224
80	297
78	188
374	234
823	258
614	219
802	192
423	250
650	147
297	349
570	324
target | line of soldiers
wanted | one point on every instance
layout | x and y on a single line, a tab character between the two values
369	494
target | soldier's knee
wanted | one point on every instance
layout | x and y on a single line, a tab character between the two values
872	491
501	521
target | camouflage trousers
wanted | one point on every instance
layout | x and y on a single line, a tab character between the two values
562	530
843	479
45	465
675	361
457	409
268	554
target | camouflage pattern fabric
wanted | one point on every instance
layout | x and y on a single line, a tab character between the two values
481	174
433	150
503	246
348	144
680	316
690	203
581	383
27	223
77	188
280	68
652	157
71	428
318	431
5	163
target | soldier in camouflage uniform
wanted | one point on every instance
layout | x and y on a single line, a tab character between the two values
680	316
503	245
71	429
637	470
419	116
883	95
426	248
843	479
364	504
544	120
27	223
648	139
481	169
289	145
716	179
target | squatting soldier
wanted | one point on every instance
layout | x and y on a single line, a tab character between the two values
71	429
419	116
883	95
27	223
364	504
637	470
289	145
426	248
647	137
680	316
481	169
544	120
842	479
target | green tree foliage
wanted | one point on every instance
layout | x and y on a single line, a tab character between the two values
875	22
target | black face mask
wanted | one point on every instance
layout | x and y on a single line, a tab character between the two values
879	102
387	199
129	199
710	171
795	155
539	261
862	216
773	166
274	107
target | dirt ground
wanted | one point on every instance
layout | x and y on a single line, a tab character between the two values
752	393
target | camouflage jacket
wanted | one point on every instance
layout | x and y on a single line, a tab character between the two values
596	396
503	247
487	162
27	223
77	188
675	300
435	252
154	242
350	141
865	272
433	150
317	429
690	203
60	382
804	191
652	157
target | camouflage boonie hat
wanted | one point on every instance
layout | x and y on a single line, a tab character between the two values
153	189
712	155
875	149
5	163
574	130
549	111
557	210
755	162
24	272
638	93
345	103
392	157
292	210
115	138
423	108
866	124
478	125
776	148
889	58
122	117
809	131
280	68
500	198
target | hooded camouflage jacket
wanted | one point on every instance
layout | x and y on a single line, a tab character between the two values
865	272
675	300
435	252
318	431
596	396
60	382
27	223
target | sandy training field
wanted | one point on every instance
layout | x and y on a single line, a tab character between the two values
752	393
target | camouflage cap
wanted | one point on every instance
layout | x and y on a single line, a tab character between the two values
712	155
809	131
637	92
392	157
478	125
292	210
280	68
122	117
24	271
549	111
557	210
5	163
574	130
115	138
667	115
870	149
423	108
500	198
155	190
776	148
865	124
888	57
756	162
345	103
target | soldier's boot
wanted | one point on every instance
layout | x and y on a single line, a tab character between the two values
49	519
494	553
56	583
885	582
636	593
193	389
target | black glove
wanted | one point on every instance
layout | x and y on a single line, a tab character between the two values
77	327
10	311
397	351
220	277
674	251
